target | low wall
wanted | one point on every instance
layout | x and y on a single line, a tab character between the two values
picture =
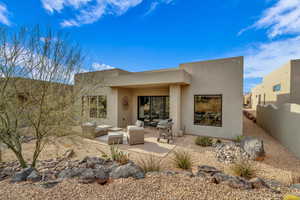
283	123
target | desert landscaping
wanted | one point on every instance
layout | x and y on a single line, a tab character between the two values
210	175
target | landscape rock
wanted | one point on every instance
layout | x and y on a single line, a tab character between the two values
205	169
230	152
92	162
50	184
22	175
70	173
295	186
34	176
258	183
254	147
128	170
232	181
87	176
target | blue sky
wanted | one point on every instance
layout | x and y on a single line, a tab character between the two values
139	35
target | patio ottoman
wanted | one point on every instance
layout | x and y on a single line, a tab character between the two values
115	138
101	130
88	129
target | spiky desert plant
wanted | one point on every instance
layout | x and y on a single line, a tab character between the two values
182	159
243	168
150	163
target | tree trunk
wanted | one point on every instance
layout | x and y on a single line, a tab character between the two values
21	159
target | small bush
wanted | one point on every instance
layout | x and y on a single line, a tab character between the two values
203	141
243	169
183	160
118	155
238	138
150	164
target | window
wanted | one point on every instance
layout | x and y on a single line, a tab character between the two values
153	107
277	88
96	106
208	110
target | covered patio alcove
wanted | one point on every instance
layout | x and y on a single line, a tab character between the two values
149	96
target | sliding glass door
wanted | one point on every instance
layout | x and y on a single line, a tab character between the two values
153	107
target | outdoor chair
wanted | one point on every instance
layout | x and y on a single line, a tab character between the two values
135	135
165	130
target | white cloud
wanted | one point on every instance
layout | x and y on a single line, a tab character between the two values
101	66
4	14
263	58
155	4
89	11
281	18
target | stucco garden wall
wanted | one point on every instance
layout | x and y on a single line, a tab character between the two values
282	123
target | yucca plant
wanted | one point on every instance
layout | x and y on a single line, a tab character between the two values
118	155
150	164
243	168
182	159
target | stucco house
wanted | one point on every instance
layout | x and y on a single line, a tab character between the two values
279	87
202	98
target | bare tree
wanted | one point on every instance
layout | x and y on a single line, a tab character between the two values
37	68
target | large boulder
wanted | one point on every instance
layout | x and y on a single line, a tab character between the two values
128	170
254	147
22	175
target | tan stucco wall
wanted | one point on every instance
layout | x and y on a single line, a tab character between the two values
295	81
282	123
265	90
224	76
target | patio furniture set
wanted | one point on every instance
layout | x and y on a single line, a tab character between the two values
134	133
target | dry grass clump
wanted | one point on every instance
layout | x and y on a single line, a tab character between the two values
182	159
295	178
150	164
203	141
243	168
118	155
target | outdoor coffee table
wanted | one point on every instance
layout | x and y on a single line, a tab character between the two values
115	137
115	129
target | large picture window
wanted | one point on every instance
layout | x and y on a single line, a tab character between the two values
208	110
96	106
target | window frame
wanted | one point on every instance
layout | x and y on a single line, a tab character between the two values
87	108
209	95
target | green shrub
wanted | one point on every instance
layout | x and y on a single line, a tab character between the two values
118	155
239	138
182	160
243	169
150	164
203	141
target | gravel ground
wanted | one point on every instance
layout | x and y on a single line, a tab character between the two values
153	187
